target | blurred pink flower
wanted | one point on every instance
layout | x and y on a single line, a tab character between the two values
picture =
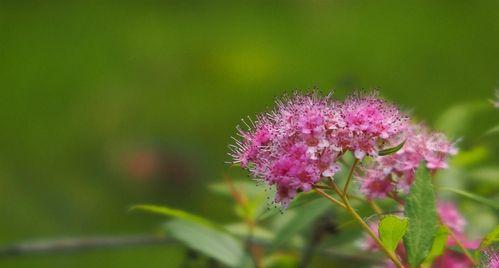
492	258
452	259
450	216
368	242
376	184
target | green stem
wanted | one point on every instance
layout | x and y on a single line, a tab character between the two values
350	175
460	245
332	199
366	227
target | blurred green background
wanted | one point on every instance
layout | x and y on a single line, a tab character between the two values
108	104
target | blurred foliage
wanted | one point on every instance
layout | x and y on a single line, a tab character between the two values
105	104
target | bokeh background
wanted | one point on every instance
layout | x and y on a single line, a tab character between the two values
108	104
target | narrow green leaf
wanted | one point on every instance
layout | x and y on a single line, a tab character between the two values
249	188
474	197
176	213
241	230
303	218
490	238
421	212
391	150
438	244
493	130
209	241
301	200
391	230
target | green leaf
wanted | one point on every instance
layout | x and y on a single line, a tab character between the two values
301	200
241	230
303	218
421	212
248	187
493	130
458	118
209	241
438	244
473	197
470	157
176	213
490	238
391	230
391	150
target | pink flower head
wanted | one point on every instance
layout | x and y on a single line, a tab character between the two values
298	143
376	184
450	216
452	259
371	121
290	147
420	145
492	258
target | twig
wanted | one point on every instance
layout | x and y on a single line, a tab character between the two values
81	244
460	244
242	200
366	227
332	199
323	227
375	207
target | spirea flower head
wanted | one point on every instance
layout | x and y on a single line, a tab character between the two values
370	121
296	144
399	168
451	217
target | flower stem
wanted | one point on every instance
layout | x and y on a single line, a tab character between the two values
332	199
460	245
366	227
350	175
375	207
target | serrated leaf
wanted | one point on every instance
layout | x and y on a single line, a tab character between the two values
421	212
490	238
176	213
391	230
474	197
303	218
209	241
438	244
391	150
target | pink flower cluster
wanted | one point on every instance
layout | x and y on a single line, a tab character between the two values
298	143
450	217
492	258
395	173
